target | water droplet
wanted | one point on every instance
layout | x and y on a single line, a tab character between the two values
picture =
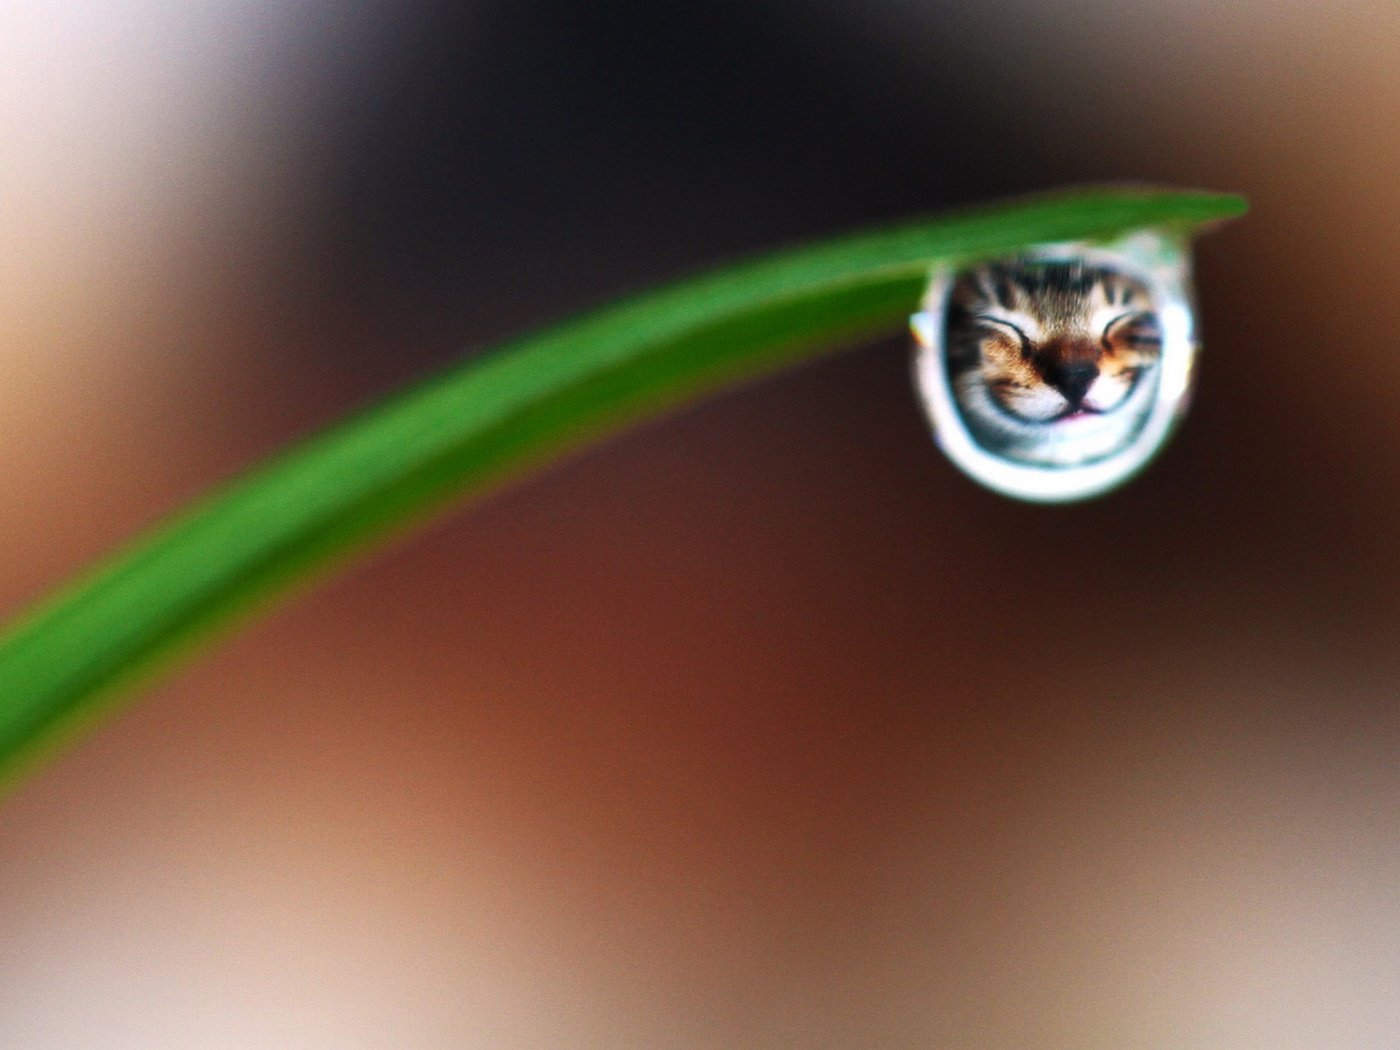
1056	374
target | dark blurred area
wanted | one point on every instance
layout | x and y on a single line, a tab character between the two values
760	726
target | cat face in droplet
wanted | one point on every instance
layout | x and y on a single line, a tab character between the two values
1052	362
1057	374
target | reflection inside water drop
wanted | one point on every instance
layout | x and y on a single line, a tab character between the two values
1057	373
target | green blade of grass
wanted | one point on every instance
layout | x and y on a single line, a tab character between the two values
372	476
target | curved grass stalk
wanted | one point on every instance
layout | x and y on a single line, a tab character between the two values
467	430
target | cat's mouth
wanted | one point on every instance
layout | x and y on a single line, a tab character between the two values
1079	412
1070	414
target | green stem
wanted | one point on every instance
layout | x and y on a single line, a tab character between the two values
465	431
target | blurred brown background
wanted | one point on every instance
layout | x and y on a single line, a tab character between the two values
760	726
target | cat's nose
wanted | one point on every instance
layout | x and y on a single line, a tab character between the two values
1073	380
